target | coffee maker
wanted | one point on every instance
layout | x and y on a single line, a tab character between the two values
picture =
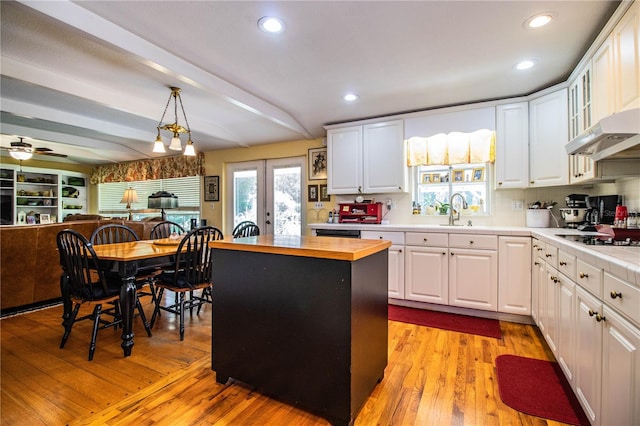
575	211
602	209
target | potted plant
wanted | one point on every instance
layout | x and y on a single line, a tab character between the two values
443	208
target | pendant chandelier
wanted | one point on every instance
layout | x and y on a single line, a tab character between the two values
174	128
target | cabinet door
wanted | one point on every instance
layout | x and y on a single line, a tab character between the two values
538	273
550	306
427	274
473	279
566	290
548	127
344	162
384	158
603	85
620	371
396	272
512	145
588	371
514	275
626	45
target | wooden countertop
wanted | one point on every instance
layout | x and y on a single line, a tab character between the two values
348	249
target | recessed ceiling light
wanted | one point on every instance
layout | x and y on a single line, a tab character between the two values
539	20
525	65
350	97
271	24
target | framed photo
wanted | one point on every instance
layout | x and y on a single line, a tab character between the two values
317	163
324	195
435	178
478	174
45	218
313	192
425	178
212	188
458	175
31	220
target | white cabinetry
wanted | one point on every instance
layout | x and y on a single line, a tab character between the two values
396	259
581	167
537	271
427	268
514	275
626	59
512	145
602	64
548	135
473	273
369	159
344	160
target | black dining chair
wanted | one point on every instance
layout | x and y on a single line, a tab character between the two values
112	233
87	284
165	229
246	229
190	272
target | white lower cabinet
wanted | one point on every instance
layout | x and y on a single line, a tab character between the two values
566	294
514	275
427	274
473	278
396	259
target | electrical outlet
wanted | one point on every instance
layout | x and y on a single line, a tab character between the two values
389	203
319	205
517	204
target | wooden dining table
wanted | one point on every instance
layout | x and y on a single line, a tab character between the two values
128	257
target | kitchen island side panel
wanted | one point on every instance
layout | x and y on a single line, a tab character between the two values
309	331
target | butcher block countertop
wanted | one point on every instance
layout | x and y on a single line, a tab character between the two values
349	249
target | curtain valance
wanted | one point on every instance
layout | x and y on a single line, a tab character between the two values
151	169
452	148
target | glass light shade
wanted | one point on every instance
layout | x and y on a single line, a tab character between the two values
176	144
21	155
189	150
130	196
158	146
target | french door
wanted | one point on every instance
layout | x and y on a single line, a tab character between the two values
267	192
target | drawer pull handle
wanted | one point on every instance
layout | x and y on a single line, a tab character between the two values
539	248
470	241
425	240
584	275
600	318
536	263
443	253
615	294
547	255
563	263
535	246
554	279
592	313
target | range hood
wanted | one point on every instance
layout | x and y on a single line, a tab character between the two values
616	136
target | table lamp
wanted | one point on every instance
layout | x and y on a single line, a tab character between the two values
130	196
163	200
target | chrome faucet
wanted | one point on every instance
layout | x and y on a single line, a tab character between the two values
452	220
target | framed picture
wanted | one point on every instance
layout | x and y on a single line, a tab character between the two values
45	218
478	174
313	192
212	188
458	175
31	220
435	178
425	178
324	195
317	163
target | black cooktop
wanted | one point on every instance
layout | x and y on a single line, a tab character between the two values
601	240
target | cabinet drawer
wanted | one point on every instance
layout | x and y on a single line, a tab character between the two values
589	277
427	239
486	242
622	297
395	237
567	264
538	248
551	255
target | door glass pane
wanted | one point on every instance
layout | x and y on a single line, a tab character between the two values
287	200
245	192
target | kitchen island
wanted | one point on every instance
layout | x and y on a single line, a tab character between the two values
302	319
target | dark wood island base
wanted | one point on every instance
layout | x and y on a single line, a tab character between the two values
306	326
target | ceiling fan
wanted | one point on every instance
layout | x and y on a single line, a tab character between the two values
21	150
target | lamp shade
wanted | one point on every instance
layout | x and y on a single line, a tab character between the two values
20	154
130	196
162	200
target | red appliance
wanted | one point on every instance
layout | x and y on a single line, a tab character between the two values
360	213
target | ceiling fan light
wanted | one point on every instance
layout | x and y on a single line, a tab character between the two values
20	154
158	146
189	150
176	144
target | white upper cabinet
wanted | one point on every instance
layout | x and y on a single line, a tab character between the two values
369	159
385	160
344	160
512	145
626	59
548	134
603	87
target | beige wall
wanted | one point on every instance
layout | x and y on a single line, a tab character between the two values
215	163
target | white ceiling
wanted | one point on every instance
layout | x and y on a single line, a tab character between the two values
91	78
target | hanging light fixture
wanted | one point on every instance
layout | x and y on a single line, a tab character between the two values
174	128
21	150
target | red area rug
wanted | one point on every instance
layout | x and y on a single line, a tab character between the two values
460	323
538	388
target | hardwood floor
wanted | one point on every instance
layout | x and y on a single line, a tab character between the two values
434	377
